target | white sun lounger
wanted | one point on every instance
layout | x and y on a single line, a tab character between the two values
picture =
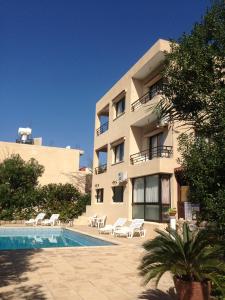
52	221
109	228
37	220
136	226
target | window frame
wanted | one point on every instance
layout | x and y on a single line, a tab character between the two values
113	197
122	101
115	153
159	203
100	193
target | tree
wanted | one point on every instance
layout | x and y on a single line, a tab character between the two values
18	182
194	74
194	95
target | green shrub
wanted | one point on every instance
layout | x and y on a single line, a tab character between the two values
64	199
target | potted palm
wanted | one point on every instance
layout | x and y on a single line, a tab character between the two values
193	263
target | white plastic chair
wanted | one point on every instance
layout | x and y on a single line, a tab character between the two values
109	228
100	222
92	221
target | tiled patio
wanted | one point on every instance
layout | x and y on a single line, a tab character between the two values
88	273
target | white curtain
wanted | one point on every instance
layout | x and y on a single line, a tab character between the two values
138	195
152	189
117	157
165	190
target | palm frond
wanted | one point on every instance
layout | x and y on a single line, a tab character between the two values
190	256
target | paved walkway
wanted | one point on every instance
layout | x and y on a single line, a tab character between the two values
88	273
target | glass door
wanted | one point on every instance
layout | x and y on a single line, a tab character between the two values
155	145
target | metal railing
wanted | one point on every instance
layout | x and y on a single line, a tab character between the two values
104	127
156	89
101	169
148	154
144	99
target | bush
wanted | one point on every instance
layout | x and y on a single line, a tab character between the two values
64	199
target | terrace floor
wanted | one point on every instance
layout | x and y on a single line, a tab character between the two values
86	273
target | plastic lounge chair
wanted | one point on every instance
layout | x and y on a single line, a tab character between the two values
37	220
52	221
136	226
111	227
100	222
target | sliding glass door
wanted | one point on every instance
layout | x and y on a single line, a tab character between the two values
151	197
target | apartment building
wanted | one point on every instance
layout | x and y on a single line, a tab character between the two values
135	153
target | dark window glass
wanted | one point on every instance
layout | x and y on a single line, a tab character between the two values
119	153
99	195
156	143
118	194
120	107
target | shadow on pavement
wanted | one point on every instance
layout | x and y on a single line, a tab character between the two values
14	283
156	294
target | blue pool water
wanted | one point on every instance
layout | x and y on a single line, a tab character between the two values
35	238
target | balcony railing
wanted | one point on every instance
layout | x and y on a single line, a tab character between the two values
148	154
155	90
101	169
104	127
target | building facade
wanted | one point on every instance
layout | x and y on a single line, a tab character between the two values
135	153
61	164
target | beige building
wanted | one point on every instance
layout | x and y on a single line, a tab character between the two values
61	164
135	153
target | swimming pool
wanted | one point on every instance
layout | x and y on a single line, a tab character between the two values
36	238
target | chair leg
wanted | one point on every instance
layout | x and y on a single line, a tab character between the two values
142	233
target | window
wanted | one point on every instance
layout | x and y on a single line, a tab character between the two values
155	145
155	89
99	195
119	153
151	197
120	107
118	194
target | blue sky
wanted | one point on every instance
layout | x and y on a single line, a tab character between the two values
58	57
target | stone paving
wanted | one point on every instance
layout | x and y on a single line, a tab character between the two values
87	273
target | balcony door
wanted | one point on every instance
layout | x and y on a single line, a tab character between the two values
155	145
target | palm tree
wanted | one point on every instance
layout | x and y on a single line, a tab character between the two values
190	257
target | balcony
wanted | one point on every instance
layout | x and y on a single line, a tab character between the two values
144	99
101	169
148	154
154	90
103	128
